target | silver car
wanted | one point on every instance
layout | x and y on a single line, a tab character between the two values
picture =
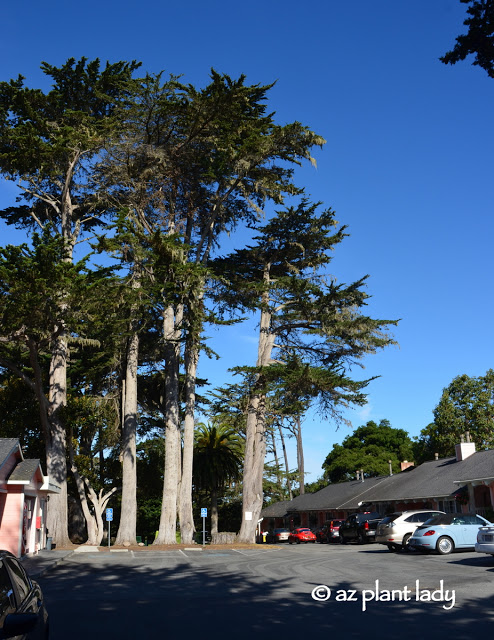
396	529
485	540
278	535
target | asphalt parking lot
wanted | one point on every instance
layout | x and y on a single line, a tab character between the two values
299	589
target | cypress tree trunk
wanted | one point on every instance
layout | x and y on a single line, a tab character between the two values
127	527
56	445
186	514
214	511
171	333
279	483
255	442
300	455
287	468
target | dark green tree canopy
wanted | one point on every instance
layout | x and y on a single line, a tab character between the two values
370	448
217	456
479	40
48	139
318	326
467	404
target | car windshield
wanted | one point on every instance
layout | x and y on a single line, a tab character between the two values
362	517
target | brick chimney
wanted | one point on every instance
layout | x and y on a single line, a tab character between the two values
464	449
406	465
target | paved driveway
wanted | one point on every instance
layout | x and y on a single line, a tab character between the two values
290	592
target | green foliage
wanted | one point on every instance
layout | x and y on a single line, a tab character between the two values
42	292
148	517
93	422
479	40
317	485
317	325
229	514
34	282
20	417
370	448
47	140
150	465
217	456
273	489
170	168
466	404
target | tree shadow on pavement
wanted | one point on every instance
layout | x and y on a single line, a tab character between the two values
191	599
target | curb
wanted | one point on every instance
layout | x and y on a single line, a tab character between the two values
49	564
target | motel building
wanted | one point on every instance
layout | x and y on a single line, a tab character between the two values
24	496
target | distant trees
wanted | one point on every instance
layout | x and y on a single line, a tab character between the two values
466	404
370	447
479	39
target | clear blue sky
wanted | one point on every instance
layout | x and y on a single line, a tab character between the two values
407	164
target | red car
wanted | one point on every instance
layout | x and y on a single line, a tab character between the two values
302	534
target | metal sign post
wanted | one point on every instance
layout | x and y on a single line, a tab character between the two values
109	518
204	515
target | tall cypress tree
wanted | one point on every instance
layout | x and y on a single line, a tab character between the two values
48	142
311	329
211	158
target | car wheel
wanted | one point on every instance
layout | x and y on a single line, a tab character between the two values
444	545
290	541
391	547
342	540
298	541
361	539
404	542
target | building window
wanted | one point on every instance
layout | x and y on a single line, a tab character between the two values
449	506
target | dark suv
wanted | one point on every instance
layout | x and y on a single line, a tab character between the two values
360	527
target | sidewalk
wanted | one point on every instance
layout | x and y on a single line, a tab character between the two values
37	565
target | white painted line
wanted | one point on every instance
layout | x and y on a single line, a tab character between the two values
119	550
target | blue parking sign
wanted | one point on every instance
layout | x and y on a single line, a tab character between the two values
109	515
204	513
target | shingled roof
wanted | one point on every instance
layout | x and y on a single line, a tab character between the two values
479	466
344	495
24	472
275	510
433	479
7	446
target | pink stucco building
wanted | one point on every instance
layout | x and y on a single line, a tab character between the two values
24	495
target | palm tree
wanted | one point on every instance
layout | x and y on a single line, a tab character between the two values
218	458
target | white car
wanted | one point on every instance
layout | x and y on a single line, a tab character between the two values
396	529
485	540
